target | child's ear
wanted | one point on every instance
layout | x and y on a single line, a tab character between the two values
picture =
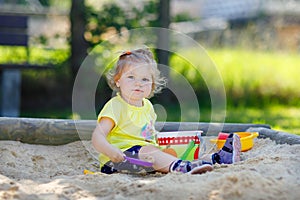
117	83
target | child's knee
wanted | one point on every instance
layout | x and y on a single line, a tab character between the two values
147	153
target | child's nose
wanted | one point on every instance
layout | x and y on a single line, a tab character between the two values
138	82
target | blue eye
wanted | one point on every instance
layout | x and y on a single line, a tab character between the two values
146	80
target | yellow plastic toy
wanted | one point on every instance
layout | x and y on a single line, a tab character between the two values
247	140
86	171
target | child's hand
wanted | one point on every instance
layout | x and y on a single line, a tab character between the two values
116	155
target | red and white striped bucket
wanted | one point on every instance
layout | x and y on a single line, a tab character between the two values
179	141
178	137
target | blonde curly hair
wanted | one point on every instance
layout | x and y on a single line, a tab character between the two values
133	57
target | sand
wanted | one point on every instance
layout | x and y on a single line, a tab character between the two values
267	171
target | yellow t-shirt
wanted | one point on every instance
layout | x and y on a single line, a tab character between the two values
133	125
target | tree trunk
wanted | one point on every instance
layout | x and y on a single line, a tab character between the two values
163	35
79	46
163	47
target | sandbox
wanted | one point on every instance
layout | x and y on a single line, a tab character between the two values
270	170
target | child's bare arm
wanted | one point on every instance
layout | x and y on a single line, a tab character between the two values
101	144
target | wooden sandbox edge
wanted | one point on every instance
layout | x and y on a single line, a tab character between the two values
63	131
278	136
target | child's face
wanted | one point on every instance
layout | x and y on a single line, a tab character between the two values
135	84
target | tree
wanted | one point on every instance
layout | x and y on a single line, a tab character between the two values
163	45
113	16
79	46
163	36
88	25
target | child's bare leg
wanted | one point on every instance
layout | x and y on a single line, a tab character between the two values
161	160
164	162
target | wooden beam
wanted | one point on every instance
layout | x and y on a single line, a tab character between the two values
63	131
278	136
207	128
45	131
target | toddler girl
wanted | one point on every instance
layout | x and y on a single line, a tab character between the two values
126	123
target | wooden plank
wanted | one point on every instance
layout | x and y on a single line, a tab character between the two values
63	131
207	128
13	30
45	131
13	39
278	136
14	21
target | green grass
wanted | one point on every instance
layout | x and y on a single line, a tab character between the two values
249	77
36	55
282	118
270	76
267	73
48	113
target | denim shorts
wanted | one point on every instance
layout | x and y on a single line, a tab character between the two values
126	167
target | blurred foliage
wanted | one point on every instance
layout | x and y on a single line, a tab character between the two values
36	55
45	3
112	19
279	117
24	2
181	17
14	1
251	78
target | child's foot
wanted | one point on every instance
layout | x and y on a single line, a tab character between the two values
194	167
201	169
230	152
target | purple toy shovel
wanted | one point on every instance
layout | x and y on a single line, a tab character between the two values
138	162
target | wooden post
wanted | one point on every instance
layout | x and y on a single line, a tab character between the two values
10	92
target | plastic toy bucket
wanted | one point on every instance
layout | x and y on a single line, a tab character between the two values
181	144
247	139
